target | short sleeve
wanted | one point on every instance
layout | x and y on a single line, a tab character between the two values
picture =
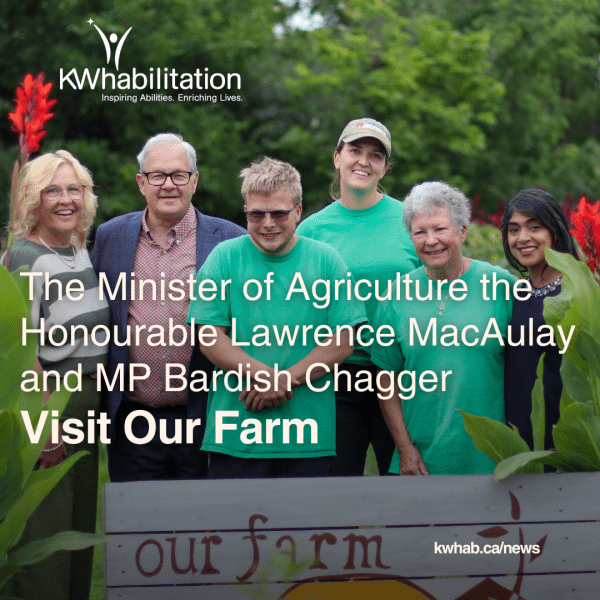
343	311
389	357
507	303
211	302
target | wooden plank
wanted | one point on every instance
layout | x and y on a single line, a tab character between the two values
535	587
215	505
218	539
134	557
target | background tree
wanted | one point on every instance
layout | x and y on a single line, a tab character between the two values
545	54
228	36
491	95
425	81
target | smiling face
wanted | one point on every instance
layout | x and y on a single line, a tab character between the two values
58	217
527	240
268	236
167	203
437	241
361	163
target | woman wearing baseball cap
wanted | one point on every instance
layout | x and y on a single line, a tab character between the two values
365	226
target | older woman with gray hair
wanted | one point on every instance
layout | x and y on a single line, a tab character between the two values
441	358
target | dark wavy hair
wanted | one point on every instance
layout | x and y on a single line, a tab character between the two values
543	207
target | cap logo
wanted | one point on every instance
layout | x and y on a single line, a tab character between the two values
373	127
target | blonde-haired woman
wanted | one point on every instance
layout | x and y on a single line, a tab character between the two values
56	207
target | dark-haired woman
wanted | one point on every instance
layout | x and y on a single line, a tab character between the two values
365	226
533	220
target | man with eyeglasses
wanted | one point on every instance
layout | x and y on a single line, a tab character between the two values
278	424
164	243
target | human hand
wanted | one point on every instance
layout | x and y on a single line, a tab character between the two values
52	454
411	462
259	400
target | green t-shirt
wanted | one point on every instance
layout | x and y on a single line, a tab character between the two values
374	244
476	384
239	260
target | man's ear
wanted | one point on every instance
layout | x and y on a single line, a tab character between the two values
195	177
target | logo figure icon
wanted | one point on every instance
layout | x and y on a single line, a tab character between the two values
112	39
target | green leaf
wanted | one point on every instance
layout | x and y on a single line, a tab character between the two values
565	400
493	438
576	382
578	431
589	348
6	572
538	408
569	462
514	428
524	462
32	401
578	303
14	356
13	309
36	488
22	284
11	464
64	540
518	463
30	451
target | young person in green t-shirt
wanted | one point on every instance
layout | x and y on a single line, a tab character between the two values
365	226
265	319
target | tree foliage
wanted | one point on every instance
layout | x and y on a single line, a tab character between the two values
491	95
545	54
423	79
223	36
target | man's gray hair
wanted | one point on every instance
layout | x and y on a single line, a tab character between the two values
430	196
167	138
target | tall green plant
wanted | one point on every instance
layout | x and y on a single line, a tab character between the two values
21	487
576	436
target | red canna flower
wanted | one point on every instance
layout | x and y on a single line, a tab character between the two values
496	218
32	110
587	232
477	211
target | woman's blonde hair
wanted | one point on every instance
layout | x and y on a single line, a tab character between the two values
35	177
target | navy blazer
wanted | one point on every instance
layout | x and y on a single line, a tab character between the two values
114	253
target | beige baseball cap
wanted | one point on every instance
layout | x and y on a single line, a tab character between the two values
361	128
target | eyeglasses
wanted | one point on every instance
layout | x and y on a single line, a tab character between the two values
177	177
75	192
257	216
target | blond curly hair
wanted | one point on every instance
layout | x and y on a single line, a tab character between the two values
35	177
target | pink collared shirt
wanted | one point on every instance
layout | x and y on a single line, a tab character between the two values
153	262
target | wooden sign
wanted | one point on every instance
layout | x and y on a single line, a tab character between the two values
401	538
